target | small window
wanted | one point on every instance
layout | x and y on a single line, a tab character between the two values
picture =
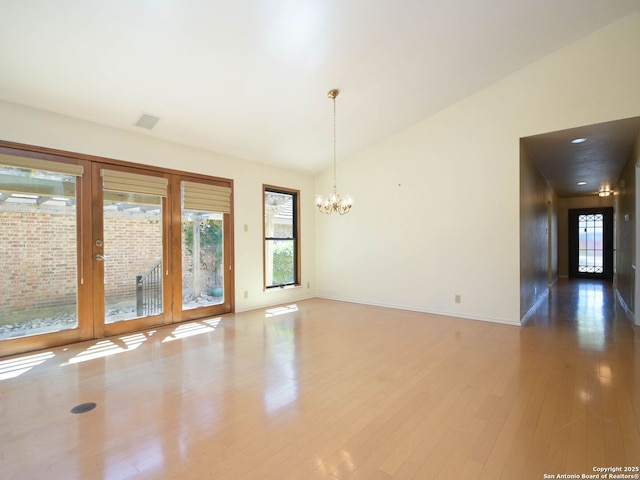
281	238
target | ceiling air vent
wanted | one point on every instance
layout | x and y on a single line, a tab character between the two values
146	121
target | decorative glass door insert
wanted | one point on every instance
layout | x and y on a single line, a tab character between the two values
590	243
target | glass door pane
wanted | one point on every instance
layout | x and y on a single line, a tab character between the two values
38	252
202	259
590	243
133	255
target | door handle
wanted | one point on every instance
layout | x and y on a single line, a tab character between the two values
100	257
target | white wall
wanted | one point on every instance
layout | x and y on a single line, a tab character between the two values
536	248
625	232
453	226
437	206
35	127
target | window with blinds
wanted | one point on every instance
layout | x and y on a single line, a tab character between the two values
205	197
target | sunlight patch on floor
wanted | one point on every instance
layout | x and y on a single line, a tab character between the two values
17	366
191	329
273	312
106	348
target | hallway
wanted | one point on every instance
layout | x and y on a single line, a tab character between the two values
591	350
587	310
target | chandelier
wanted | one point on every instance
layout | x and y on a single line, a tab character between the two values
334	202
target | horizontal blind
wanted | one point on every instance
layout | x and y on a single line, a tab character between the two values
43	165
206	198
117	181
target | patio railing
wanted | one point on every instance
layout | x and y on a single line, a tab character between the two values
149	291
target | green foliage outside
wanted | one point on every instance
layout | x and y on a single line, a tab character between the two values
283	263
210	245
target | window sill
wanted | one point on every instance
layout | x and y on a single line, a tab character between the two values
285	287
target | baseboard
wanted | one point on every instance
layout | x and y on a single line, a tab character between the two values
533	308
423	310
627	310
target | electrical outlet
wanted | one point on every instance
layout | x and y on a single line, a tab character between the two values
308	284
246	294
458	298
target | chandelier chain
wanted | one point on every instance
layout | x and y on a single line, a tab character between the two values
334	202
334	141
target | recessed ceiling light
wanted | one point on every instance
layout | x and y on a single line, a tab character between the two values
578	140
581	183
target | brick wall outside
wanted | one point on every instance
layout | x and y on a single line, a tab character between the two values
38	258
123	262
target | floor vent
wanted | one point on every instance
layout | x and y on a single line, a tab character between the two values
83	408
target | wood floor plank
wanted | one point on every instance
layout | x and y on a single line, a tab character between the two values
334	391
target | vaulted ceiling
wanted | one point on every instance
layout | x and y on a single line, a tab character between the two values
249	78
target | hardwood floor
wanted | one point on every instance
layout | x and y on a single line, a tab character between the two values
330	390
